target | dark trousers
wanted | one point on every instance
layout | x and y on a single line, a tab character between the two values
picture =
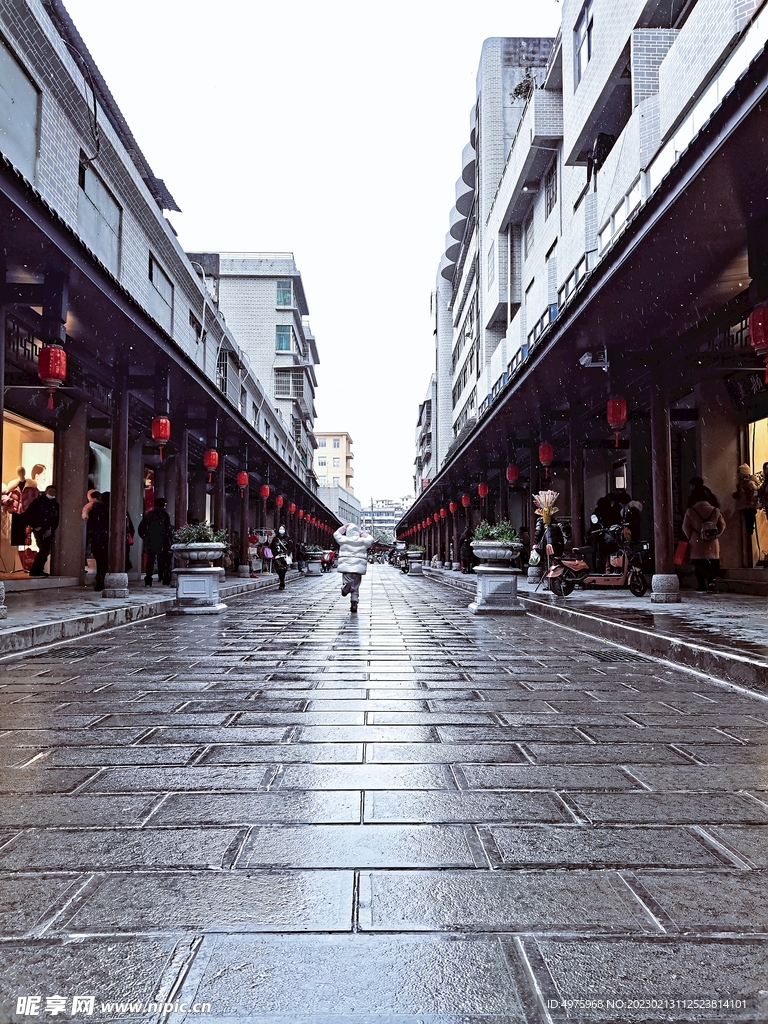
706	570
281	570
44	546
101	556
163	565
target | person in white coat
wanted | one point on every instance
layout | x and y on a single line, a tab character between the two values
353	562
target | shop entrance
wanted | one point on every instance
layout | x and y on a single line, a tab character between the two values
758	460
27	470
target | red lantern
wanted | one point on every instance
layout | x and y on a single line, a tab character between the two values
758	332
616	412
211	462
482	490
279	501
292	508
264	491
466	500
546	457
513	474
452	507
242	482
161	431
52	368
301	513
443	513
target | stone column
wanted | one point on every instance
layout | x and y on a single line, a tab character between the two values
220	494
72	485
576	479
116	580
244	568
181	497
665	584
456	557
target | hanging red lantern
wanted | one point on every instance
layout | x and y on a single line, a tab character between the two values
211	462
482	490
452	506
242	482
616	412
292	508
279	501
301	513
758	332
264	491
546	457
513	474
52	368
161	432
466	500
443	513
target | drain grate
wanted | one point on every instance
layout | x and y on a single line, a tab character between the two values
66	653
616	657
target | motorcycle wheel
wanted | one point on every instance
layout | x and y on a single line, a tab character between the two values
557	586
637	584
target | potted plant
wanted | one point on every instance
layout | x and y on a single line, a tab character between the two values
496	543
314	559
199	543
415	555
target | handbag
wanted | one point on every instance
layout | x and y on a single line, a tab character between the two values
681	552
268	553
289	560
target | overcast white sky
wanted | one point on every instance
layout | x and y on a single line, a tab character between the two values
333	130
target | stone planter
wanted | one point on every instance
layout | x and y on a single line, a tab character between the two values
415	563
496	591
496	552
197	591
314	562
200	553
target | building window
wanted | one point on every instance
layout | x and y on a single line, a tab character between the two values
582	41
529	233
337	463
550	189
335	481
283	338
243	401
222	369
337	442
98	218
284	295
282	383
322	461
160	294
492	264
321	442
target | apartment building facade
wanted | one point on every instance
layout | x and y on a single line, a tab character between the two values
262	298
333	460
381	515
608	242
117	381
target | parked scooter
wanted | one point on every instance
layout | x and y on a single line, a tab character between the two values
566	573
402	562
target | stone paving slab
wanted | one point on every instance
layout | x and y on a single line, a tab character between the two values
405	816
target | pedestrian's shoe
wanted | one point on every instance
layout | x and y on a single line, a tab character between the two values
353	608
39	575
346	589
281	587
147	581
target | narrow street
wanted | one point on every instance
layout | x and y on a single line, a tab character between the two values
294	814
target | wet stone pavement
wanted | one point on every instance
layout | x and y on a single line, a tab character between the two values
294	814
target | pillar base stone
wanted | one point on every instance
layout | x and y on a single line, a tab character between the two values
115	585
665	589
197	591
244	571
496	591
3	609
535	573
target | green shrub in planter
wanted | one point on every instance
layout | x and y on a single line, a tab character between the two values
502	531
199	533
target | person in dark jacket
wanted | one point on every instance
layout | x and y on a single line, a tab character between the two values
548	536
97	536
282	554
156	533
465	550
43	517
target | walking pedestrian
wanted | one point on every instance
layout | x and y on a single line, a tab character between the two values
353	563
97	535
43	517
156	532
465	549
703	526
282	554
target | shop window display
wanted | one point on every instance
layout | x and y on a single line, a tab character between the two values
758	452
27	470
